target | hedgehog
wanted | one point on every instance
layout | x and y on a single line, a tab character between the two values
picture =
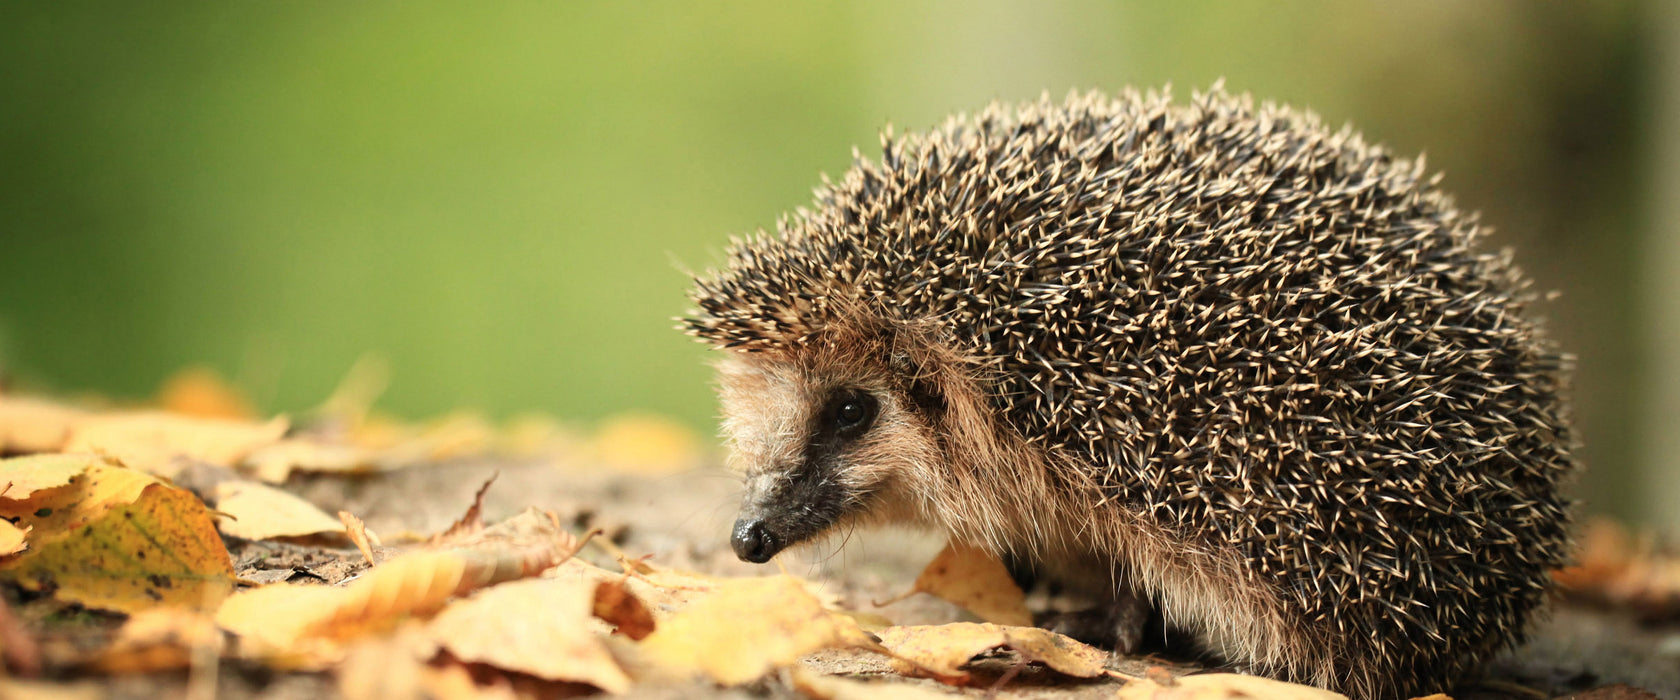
1209	360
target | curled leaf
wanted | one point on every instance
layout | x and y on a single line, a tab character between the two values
942	650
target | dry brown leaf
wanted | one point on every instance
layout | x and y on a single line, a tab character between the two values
358	533
541	627
452	680
36	425
817	685
746	627
942	650
261	512
390	667
16	689
202	392
375	445
13	539
1222	686
153	441
662	591
615	604
120	540
647	444
975	580
1624	570
275	463
471	522
158	639
416	584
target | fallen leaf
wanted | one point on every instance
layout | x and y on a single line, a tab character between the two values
390	667
202	392
746	627
13	539
359	535
1219	686
817	685
159	549
36	425
152	441
42	497
943	650
261	512
158	639
646	444
1618	568
624	611
536	626
21	477
271	623
471	522
975	580
663	592
304	620
16	689
275	463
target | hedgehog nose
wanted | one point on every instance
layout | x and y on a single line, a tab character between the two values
753	542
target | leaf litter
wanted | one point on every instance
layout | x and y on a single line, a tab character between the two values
91	521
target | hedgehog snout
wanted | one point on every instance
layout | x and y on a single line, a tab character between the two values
753	542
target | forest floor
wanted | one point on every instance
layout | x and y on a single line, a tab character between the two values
675	520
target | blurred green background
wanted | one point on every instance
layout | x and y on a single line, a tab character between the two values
500	198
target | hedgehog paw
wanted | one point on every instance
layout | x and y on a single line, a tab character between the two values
1117	626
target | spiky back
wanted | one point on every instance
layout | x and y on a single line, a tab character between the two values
1263	334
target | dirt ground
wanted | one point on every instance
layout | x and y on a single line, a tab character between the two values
681	520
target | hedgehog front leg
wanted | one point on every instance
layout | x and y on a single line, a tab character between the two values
1118	625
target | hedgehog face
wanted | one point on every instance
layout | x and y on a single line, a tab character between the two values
819	446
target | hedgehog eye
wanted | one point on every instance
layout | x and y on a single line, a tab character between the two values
850	412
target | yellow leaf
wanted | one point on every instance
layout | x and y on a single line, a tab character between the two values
260	512
662	591
34	425
152	441
275	462
161	549
304	620
647	444
746	627
202	392
944	649
822	687
1220	686
19	689
159	639
271	622
975	580
93	490
13	539
392	667
21	477
542	627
